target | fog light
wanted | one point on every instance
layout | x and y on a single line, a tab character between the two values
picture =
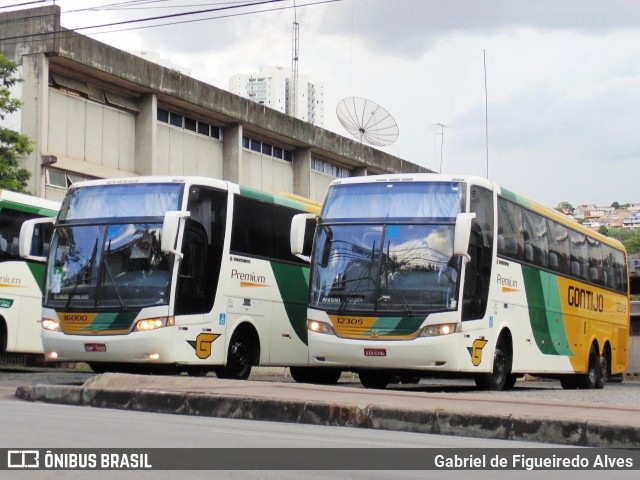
153	356
53	355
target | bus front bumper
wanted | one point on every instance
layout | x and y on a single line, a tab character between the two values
137	347
430	353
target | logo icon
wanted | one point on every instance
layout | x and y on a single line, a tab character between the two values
23	459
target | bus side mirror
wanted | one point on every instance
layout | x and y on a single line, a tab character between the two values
25	244
170	228
462	235
297	236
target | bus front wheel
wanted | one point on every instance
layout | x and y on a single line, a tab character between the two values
501	377
374	379
239	358
316	375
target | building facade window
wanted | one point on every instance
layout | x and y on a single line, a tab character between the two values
328	168
61	179
267	149
188	123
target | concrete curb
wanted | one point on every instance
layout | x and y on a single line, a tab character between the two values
439	421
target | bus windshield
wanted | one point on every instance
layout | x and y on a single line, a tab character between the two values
385	268
387	248
434	201
118	265
120	201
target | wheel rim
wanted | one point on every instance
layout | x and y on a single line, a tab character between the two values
500	366
592	368
239	358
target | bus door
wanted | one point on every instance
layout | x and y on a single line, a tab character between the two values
199	334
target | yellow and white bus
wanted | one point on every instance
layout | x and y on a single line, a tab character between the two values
20	280
171	274
426	275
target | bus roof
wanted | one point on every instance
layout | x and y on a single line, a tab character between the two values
483	182
29	202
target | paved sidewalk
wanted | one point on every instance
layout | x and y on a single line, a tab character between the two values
585	418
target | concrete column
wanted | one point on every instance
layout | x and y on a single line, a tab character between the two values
35	117
146	135
232	153
359	172
302	172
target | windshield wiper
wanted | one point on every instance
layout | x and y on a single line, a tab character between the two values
113	282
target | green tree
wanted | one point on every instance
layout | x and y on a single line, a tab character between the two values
616	205
564	206
603	230
13	145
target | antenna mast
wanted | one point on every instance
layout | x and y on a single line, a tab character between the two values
294	63
486	109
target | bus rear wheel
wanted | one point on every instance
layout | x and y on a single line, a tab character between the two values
315	375
374	379
239	359
594	378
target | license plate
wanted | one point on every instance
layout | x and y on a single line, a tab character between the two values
95	347
375	352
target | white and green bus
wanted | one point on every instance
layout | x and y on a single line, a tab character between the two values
177	274
20	280
428	275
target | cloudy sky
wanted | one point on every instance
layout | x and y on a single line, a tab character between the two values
563	76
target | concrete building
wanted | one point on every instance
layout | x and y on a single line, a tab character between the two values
273	87
95	111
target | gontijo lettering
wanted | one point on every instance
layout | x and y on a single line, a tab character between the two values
582	298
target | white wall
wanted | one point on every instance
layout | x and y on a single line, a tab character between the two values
266	173
89	132
319	185
181	152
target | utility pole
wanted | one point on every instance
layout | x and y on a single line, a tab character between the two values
442	127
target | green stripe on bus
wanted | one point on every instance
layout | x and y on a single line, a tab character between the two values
105	322
41	212
514	197
271	198
537	309
555	318
395	326
37	270
293	284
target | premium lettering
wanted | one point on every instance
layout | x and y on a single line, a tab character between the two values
248	277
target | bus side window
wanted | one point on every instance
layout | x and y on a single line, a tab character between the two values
478	274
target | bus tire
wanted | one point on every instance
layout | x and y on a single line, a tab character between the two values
500	377
316	375
197	371
374	379
100	367
239	358
3	335
593	378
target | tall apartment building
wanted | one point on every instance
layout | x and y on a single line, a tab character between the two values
273	87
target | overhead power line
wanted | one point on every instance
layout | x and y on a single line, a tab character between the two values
61	34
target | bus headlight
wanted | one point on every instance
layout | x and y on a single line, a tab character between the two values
154	323
320	327
50	324
437	330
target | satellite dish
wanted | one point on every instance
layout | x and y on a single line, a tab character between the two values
367	121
